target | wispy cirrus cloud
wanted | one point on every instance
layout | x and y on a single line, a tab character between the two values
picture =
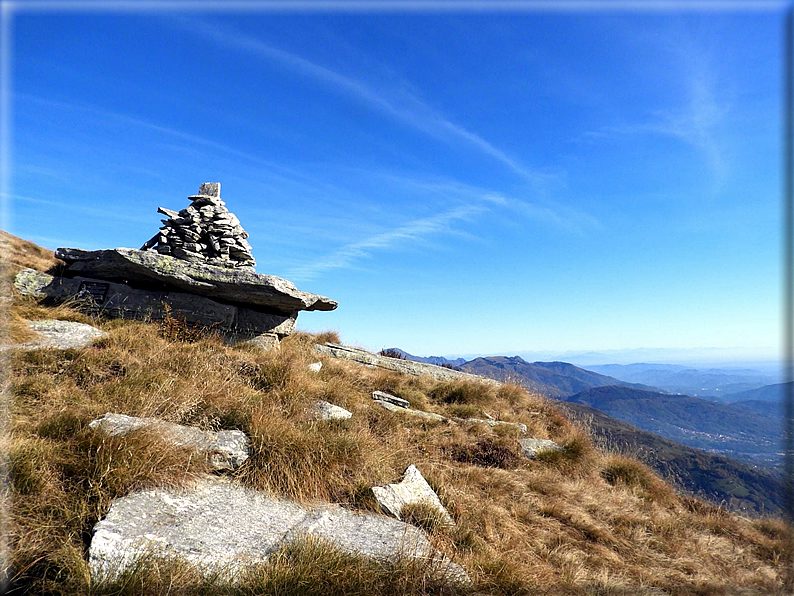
700	112
544	211
398	101
470	202
413	231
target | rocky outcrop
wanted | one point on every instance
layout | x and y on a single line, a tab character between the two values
531	447
199	266
225	449
119	300
222	528
151	270
413	489
60	335
405	366
204	232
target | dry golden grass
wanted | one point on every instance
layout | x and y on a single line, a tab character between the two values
576	522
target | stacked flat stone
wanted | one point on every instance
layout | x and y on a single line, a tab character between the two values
205	232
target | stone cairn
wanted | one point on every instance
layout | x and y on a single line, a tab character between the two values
205	232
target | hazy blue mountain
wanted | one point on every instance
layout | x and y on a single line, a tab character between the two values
735	432
763	408
437	360
769	393
714	382
553	379
712	477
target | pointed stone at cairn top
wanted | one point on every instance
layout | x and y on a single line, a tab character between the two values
204	232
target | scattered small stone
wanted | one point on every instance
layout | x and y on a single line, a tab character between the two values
412	489
328	411
315	366
418	413
393	399
532	447
225	449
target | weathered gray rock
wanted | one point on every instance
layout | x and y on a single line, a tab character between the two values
225	449
411	490
405	366
386	405
327	411
120	300
222	528
532	447
146	268
392	399
264	341
60	335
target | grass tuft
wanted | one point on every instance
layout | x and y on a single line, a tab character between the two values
424	516
463	392
490	453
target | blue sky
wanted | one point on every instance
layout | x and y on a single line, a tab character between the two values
461	182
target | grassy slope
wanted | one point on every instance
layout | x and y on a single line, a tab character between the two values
715	478
579	522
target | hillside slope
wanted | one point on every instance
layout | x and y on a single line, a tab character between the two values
711	477
553	379
769	393
689	420
578	521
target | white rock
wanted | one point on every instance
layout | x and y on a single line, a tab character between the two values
315	366
60	334
412	489
222	528
327	411
532	447
418	413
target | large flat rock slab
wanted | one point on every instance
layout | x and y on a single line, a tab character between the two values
225	449
222	528
116	299
234	285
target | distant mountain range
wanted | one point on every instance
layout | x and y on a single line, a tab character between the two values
713	382
741	433
749	430
769	393
712	477
553	379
